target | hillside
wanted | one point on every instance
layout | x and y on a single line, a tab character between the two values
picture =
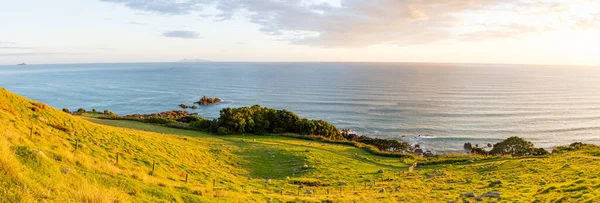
48	155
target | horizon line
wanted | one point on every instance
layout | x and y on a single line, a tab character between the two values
403	62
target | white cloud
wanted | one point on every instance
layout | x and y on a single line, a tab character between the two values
182	34
360	23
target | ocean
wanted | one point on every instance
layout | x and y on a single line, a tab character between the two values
440	106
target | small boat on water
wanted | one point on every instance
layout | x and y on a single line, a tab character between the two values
21	64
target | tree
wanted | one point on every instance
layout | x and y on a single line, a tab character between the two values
66	110
514	146
285	119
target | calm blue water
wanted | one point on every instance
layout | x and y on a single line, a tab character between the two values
448	104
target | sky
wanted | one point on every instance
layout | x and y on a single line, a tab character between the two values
553	32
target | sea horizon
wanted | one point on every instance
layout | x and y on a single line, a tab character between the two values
382	62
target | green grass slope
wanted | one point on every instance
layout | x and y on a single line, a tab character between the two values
50	156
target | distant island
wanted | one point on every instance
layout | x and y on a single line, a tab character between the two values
21	64
193	60
208	100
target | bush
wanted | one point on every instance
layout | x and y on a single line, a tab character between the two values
540	152
189	119
385	145
66	110
468	146
223	131
204	125
157	120
94	111
81	110
572	147
179	125
278	130
479	151
514	146
107	112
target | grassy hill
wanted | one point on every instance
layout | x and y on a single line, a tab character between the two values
49	155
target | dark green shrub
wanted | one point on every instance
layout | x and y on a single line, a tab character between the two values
385	145
203	125
540	152
223	131
479	151
157	120
81	110
278	130
66	110
94	111
189	119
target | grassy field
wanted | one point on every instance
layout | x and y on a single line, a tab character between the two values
50	156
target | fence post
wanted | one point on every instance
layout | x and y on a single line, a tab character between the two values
76	144
153	162
117	158
186	177
214	182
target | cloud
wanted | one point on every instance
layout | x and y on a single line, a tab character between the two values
16	48
591	22
1	42
504	31
105	49
182	34
169	7
136	23
37	54
360	23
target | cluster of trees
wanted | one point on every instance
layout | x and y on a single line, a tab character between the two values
514	146
208	100
261	120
